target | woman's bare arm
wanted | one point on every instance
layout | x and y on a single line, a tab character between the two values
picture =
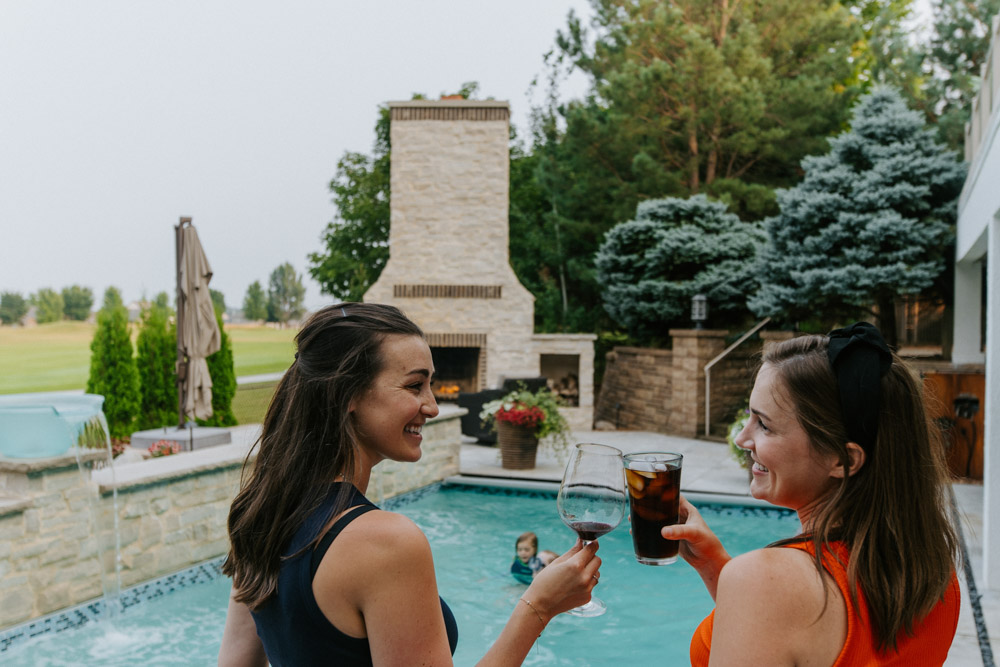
241	646
392	586
699	546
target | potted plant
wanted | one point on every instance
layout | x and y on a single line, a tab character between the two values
522	418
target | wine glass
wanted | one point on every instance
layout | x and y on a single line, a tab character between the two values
592	500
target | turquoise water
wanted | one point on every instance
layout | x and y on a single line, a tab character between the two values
652	611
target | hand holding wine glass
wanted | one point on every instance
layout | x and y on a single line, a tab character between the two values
592	500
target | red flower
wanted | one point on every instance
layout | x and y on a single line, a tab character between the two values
521	415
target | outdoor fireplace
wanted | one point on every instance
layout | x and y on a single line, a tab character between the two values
449	265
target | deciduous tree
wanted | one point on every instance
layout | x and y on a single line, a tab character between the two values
77	302
49	305
13	306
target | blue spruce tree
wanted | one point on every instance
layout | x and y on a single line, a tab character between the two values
675	248
872	219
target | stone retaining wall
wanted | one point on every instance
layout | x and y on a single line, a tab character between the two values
172	513
663	391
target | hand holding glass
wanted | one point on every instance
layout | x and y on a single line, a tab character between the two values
591	500
654	488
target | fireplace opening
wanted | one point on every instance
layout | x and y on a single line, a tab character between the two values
456	369
563	373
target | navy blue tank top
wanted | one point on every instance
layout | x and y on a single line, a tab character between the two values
291	626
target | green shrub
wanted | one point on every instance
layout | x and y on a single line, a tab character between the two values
156	362
220	368
113	371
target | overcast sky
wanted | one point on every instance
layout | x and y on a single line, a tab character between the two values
120	116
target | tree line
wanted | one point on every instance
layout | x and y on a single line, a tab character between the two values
742	141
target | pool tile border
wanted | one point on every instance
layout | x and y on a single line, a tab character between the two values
94	610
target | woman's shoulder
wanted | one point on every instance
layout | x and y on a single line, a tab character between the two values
774	573
382	527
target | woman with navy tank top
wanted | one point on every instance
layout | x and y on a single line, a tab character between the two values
321	576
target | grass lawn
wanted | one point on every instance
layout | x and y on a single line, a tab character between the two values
56	357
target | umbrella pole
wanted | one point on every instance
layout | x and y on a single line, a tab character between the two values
181	307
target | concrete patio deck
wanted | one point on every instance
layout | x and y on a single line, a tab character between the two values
710	470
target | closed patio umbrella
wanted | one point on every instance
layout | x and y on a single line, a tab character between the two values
197	330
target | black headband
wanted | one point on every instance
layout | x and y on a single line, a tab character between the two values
859	357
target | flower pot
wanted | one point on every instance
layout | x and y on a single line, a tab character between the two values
518	446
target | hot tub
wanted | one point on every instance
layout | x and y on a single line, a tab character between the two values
46	424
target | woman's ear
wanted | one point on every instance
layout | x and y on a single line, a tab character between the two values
856	459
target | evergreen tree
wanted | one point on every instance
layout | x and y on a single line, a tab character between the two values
872	219
156	363
223	374
77	302
255	302
13	306
651	266
113	372
49	306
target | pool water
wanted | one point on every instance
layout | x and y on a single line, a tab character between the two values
652	611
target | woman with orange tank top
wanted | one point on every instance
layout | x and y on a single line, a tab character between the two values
838	433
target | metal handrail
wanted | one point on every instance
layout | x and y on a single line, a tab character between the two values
720	357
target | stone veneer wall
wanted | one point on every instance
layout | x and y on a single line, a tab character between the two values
172	514
639	379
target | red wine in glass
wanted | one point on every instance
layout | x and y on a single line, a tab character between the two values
590	530
592	500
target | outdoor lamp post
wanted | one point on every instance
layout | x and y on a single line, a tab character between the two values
699	310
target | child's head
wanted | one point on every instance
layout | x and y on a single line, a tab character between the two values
547	556
527	546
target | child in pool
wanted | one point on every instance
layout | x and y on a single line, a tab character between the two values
547	556
526	562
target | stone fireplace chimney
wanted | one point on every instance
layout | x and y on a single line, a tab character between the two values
449	264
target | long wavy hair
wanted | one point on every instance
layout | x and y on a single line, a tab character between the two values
307	440
893	513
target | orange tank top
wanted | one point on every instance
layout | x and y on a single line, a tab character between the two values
932	636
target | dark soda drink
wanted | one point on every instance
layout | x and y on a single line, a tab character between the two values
654	483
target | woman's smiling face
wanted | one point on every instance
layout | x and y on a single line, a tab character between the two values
787	469
390	415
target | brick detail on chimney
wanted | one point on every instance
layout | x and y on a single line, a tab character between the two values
450	113
456	339
447	291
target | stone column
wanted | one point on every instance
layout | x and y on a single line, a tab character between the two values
693	348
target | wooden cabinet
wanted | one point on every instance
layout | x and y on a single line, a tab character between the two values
963	434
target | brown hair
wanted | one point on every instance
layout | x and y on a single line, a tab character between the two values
530	537
306	441
892	513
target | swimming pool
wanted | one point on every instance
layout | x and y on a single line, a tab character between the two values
652	611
